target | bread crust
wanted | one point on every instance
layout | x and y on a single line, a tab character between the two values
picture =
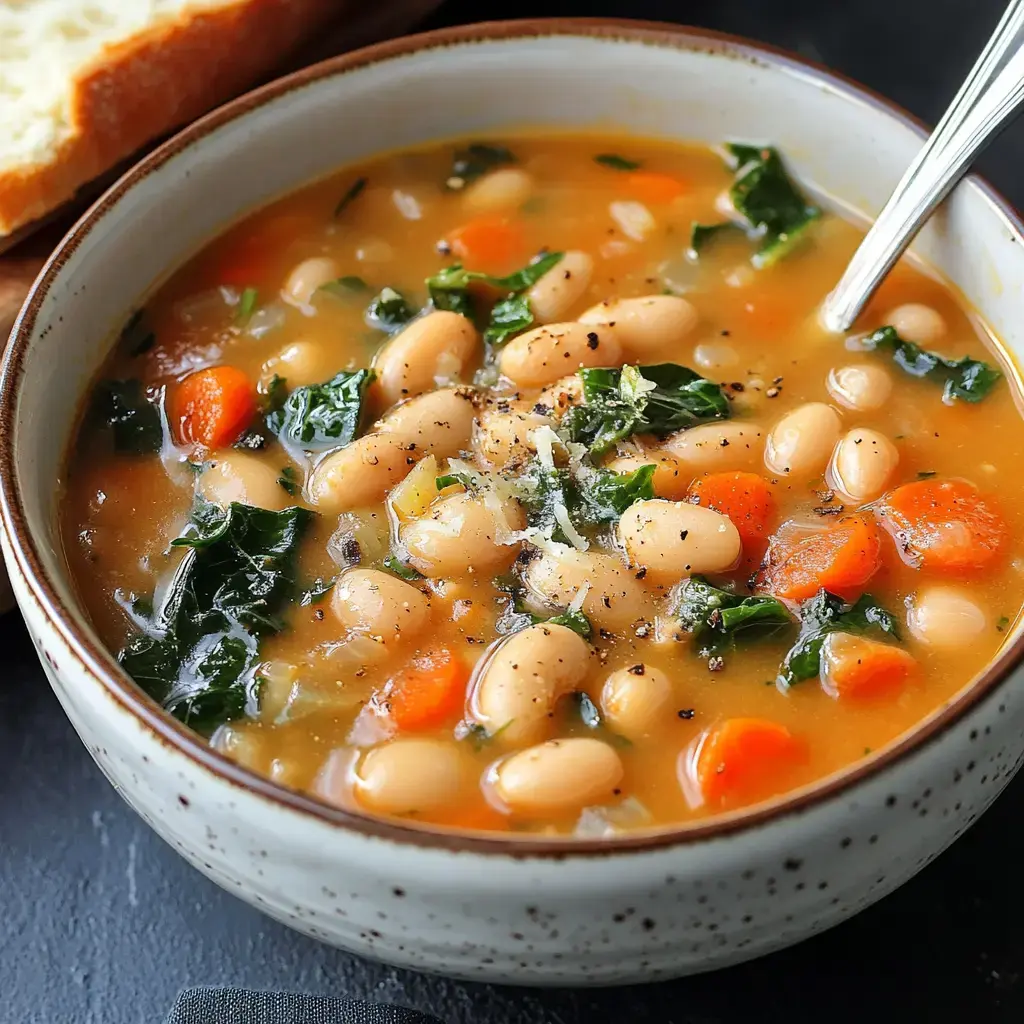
143	87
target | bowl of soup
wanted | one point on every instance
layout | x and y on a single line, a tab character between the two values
442	514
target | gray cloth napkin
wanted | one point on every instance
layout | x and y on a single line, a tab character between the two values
235	1006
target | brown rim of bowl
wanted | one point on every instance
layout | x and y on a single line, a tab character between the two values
99	663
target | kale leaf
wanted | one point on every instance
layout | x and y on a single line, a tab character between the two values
320	416
136	336
514	615
389	311
133	420
350	196
702	234
616	162
197	654
718	618
474	161
826	613
968	379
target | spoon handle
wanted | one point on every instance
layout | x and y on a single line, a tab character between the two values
986	101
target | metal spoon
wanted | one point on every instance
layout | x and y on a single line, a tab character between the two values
986	102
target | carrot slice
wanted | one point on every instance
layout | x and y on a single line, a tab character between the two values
857	668
746	498
943	525
429	693
841	559
212	407
651	187
490	244
743	759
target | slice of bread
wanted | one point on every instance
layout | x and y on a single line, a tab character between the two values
86	83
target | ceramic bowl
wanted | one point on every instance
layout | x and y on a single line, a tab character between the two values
533	911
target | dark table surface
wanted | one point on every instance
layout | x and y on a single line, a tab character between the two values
101	922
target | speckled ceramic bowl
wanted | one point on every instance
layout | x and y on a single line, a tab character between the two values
507	909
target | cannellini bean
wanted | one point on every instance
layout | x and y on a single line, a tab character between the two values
636	700
916	322
860	386
241	477
307	277
614	598
558	776
434	349
862	464
375	602
524	678
301	363
503	433
946	617
562	395
504	189
716	355
649	326
545	354
462	535
669	479
674	539
561	287
362	472
438	423
409	775
801	442
716	447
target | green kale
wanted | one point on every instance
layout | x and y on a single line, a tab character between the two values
134	421
718	618
320	416
389	311
474	161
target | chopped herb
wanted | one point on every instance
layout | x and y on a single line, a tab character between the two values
641	399
317	591
616	162
718	618
478	736
968	379
199	650
1004	621
476	160
389	311
823	614
456	479
327	415
133	420
576	621
289	480
136	337
509	317
399	568
350	196
345	287
702	234
925	474
246	306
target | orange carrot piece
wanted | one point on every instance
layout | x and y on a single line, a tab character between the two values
494	245
943	525
429	693
746	498
841	559
212	407
656	189
857	668
743	759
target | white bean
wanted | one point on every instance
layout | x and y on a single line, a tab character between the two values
945	617
545	354
916	322
562	395
674	539
243	478
561	287
669	479
716	355
307	277
637	700
515	696
301	363
558	776
502	433
649	326
614	598
800	444
716	447
462	536
410	775
504	189
382	605
862	464
362	472
438	423
433	350
860	386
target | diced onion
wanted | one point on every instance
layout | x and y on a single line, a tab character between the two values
633	219
266	319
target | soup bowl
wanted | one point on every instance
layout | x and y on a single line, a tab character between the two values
510	908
